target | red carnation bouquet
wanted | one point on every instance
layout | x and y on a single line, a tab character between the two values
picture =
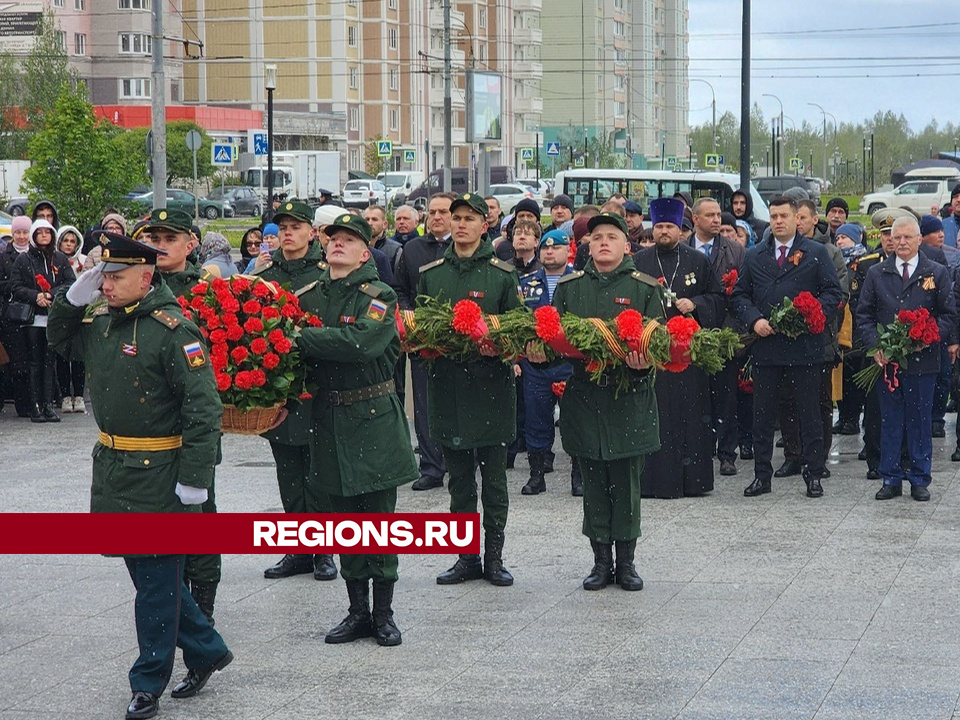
42	283
910	332
729	280
251	327
438	329
800	316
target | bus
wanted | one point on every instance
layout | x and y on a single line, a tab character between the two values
594	186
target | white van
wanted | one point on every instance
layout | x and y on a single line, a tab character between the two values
595	186
399	184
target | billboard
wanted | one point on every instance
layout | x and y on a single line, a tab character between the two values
484	107
18	25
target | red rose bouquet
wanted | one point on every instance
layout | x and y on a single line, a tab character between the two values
800	316
910	332
745	379
729	280
251	327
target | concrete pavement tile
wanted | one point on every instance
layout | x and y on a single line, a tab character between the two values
883	702
786	646
748	563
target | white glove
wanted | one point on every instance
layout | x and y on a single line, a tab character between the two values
86	289
191	495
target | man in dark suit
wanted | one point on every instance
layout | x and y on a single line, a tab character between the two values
724	255
781	267
907	281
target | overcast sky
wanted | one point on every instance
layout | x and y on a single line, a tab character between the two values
845	54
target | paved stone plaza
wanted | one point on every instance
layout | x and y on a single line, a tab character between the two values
767	608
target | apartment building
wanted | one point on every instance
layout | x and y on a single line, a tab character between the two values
619	73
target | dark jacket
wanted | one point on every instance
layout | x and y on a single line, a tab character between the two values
55	267
756	223
404	239
416	253
7	258
763	286
391	248
884	294
934	253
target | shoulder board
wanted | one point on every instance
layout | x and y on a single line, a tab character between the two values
644	278
871	256
571	276
371	290
257	271
502	265
205	275
95	311
431	265
306	288
165	318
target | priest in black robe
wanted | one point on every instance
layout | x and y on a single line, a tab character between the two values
684	464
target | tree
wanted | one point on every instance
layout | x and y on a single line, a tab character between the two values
180	158
77	161
372	161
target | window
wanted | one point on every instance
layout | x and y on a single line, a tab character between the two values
135	44
482	18
392	4
394	119
354	78
58	3
79	44
135	88
133	4
481	52
62	40
392	38
355	159
618	28
78	4
394	79
352	35
354	118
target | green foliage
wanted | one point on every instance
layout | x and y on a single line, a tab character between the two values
180	158
77	161
373	163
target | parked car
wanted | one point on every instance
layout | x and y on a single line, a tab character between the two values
17	206
541	188
771	187
183	200
364	193
509	194
244	200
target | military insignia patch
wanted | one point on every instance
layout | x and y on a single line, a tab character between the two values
929	284
196	358
377	310
348	319
476	293
129	349
622	301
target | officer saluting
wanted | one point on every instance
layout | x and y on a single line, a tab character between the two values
152	382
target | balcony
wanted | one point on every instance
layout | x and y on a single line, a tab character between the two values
527	70
527	105
527	36
434	60
435	19
456	96
528	5
528	139
436	137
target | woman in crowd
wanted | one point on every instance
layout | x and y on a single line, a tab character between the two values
249	247
215	255
269	243
37	273
71	373
11	334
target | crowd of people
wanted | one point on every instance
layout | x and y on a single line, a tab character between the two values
103	306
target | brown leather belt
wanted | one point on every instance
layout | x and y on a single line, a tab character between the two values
351	397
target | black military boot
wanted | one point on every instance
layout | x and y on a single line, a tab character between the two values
536	484
290	565
467	567
493	570
576	482
626	573
602	573
357	624
385	630
324	568
205	593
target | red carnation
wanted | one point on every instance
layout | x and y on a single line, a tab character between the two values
234	333
270	313
219	362
253	325
242	380
258	378
682	329
270	360
313	320
261	290
306	396
239	354
42	283
289	310
223	382
230	319
218	336
468	320
239	284
199	289
182	301
213	322
283	346
629	326
548	322
729	280
275	335
558	388
197	302
251	307
259	346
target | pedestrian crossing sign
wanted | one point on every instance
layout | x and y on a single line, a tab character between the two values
410	156
221	154
384	148
526	154
712	160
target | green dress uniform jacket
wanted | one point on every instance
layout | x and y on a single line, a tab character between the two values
295	275
472	404
149	377
181	282
364	446
596	422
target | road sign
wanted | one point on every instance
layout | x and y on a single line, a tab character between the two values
553	149
526	153
579	162
711	160
671	161
796	163
257	142
221	154
410	156
384	148
193	141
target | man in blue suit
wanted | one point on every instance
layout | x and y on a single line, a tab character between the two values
780	267
907	280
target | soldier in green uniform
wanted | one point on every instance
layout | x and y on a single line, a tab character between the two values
171	230
296	264
360	448
609	432
473	405
157	407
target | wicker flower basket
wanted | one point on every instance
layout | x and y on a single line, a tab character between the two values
249	422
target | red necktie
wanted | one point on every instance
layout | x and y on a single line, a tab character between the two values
783	256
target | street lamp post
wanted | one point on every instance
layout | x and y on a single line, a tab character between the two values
823	170
270	83
713	106
777	161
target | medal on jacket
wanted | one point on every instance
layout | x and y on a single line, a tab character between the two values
690	279
928	283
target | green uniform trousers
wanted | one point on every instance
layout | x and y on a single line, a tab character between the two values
461	464
611	498
367	566
293	473
205	568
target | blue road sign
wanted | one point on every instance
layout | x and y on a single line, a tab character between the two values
222	154
410	156
553	148
259	142
384	148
